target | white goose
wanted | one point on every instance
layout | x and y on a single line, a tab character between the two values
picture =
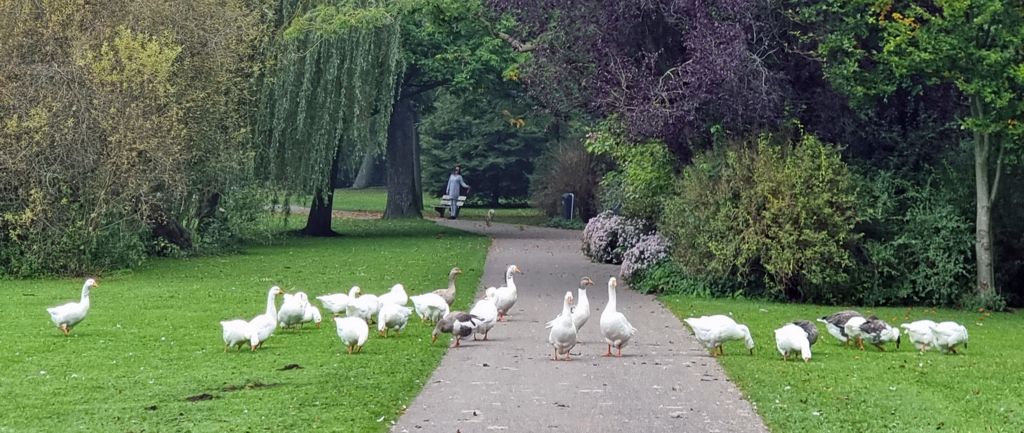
337	303
581	311
614	327
293	308
365	307
392	316
793	338
430	306
563	330
487	312
712	331
264	324
874	331
353	332
395	296
851	329
68	315
236	332
809	329
920	333
836	324
312	314
505	296
948	335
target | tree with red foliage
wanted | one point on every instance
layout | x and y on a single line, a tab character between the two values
669	69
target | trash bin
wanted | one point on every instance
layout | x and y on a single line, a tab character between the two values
568	203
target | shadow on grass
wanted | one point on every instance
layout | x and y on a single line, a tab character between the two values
363	229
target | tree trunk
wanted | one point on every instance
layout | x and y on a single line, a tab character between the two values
319	221
367	171
418	150
404	196
984	196
983	223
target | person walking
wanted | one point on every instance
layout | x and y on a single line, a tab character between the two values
455	182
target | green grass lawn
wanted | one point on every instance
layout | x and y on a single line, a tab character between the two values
845	390
152	339
375	199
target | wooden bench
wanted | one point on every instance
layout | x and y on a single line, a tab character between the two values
446	203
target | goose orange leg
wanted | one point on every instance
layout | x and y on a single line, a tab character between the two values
609	351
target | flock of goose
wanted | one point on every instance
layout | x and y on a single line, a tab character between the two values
615	328
389	312
849	327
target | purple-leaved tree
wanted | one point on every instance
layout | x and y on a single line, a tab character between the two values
669	69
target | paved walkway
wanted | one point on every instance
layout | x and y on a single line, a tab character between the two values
665	382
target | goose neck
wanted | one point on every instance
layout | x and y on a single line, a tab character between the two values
611	299
85	296
271	305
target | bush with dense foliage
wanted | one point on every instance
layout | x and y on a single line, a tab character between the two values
649	251
643	175
124	129
917	243
607	236
776	215
566	167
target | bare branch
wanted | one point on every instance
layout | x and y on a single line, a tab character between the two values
516	44
999	171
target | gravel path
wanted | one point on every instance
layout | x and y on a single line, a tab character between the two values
664	382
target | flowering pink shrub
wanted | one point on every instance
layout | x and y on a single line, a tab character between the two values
600	237
608	236
649	251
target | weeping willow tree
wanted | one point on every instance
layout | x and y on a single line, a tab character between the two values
328	95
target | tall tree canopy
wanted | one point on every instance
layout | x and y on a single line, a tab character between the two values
328	95
451	44
667	68
494	135
123	125
879	48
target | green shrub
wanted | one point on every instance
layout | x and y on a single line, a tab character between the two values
668	278
65	237
917	244
644	172
567	167
611	193
975	301
562	223
771	218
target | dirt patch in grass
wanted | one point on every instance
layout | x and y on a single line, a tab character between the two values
248	386
200	397
359	215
